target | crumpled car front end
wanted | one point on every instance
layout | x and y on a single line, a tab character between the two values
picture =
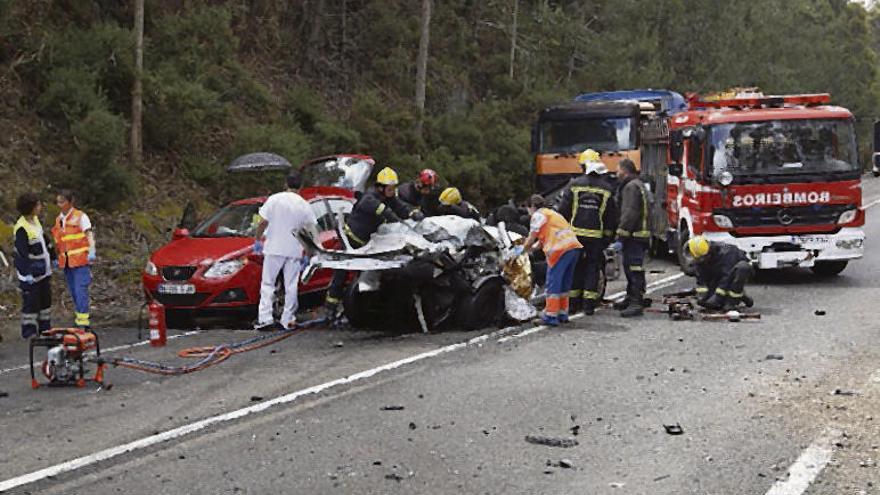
444	272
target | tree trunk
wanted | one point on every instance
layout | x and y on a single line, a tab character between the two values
317	15
422	62
137	91
513	36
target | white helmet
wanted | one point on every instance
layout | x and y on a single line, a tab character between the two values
596	167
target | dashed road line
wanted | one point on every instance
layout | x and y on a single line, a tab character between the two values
870	204
808	466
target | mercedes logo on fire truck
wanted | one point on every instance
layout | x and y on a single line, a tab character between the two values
785	217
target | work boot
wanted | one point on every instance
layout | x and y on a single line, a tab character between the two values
748	301
714	302
331	312
589	307
576	306
622	304
563	317
550	321
635	309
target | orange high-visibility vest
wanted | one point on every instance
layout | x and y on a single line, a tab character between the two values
71	242
556	236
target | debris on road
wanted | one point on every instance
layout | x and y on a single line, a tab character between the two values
392	408
616	485
338	344
675	429
256	398
566	464
575	430
819	312
412	426
4	394
661	478
394	476
551	441
841	391
778	357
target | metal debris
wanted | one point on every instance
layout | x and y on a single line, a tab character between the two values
819	312
778	357
551	441
840	391
256	398
675	429
392	408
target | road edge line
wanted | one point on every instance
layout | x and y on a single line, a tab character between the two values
808	465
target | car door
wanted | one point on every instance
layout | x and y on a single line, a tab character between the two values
327	212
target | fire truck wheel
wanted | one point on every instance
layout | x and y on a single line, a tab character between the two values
685	261
828	268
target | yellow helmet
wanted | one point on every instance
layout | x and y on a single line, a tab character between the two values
588	155
450	196
387	177
698	246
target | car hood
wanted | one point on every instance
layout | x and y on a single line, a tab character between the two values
191	251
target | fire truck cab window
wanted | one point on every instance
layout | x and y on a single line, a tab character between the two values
694	156
783	148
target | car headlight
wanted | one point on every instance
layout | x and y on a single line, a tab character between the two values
847	217
151	269
222	269
723	221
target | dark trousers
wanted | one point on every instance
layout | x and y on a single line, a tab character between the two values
586	272
337	287
36	307
634	268
732	284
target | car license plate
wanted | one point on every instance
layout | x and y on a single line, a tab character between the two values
810	239
177	289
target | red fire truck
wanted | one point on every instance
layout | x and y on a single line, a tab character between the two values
778	176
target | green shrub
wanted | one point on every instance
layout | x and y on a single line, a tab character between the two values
71	93
304	107
195	41
97	172
178	110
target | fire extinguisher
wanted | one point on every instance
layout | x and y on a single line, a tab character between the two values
158	330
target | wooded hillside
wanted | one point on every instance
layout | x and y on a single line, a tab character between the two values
308	77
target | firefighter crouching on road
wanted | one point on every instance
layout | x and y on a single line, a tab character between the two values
452	204
33	266
562	250
633	234
588	205
378	205
75	244
418	193
722	273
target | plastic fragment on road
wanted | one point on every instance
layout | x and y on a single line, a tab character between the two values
392	408
675	429
551	441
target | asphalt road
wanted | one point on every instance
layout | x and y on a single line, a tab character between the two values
429	414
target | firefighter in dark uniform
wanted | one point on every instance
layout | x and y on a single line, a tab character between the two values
634	235
375	207
419	193
452	204
588	205
33	266
722	273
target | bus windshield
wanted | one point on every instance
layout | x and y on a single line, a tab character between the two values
600	134
783	148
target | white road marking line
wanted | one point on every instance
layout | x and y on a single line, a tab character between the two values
109	349
808	466
656	285
222	418
870	204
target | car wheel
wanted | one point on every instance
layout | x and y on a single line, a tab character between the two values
357	305
481	309
685	260
828	268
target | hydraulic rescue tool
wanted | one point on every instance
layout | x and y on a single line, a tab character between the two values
682	306
66	355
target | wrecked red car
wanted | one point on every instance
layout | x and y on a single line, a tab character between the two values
213	269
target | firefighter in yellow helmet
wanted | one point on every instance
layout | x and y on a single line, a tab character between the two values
588	205
377	206
722	272
452	204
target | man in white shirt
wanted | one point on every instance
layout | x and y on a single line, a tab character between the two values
282	216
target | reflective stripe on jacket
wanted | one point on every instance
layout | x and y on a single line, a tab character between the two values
633	210
71	242
32	259
589	206
556	236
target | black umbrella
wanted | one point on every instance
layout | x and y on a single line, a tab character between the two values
258	162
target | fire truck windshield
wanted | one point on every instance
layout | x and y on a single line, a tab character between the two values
782	148
600	134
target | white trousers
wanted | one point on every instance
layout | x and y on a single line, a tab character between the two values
272	265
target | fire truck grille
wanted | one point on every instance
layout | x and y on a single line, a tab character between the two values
774	215
177	273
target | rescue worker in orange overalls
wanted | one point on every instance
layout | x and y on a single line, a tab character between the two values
562	251
75	246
